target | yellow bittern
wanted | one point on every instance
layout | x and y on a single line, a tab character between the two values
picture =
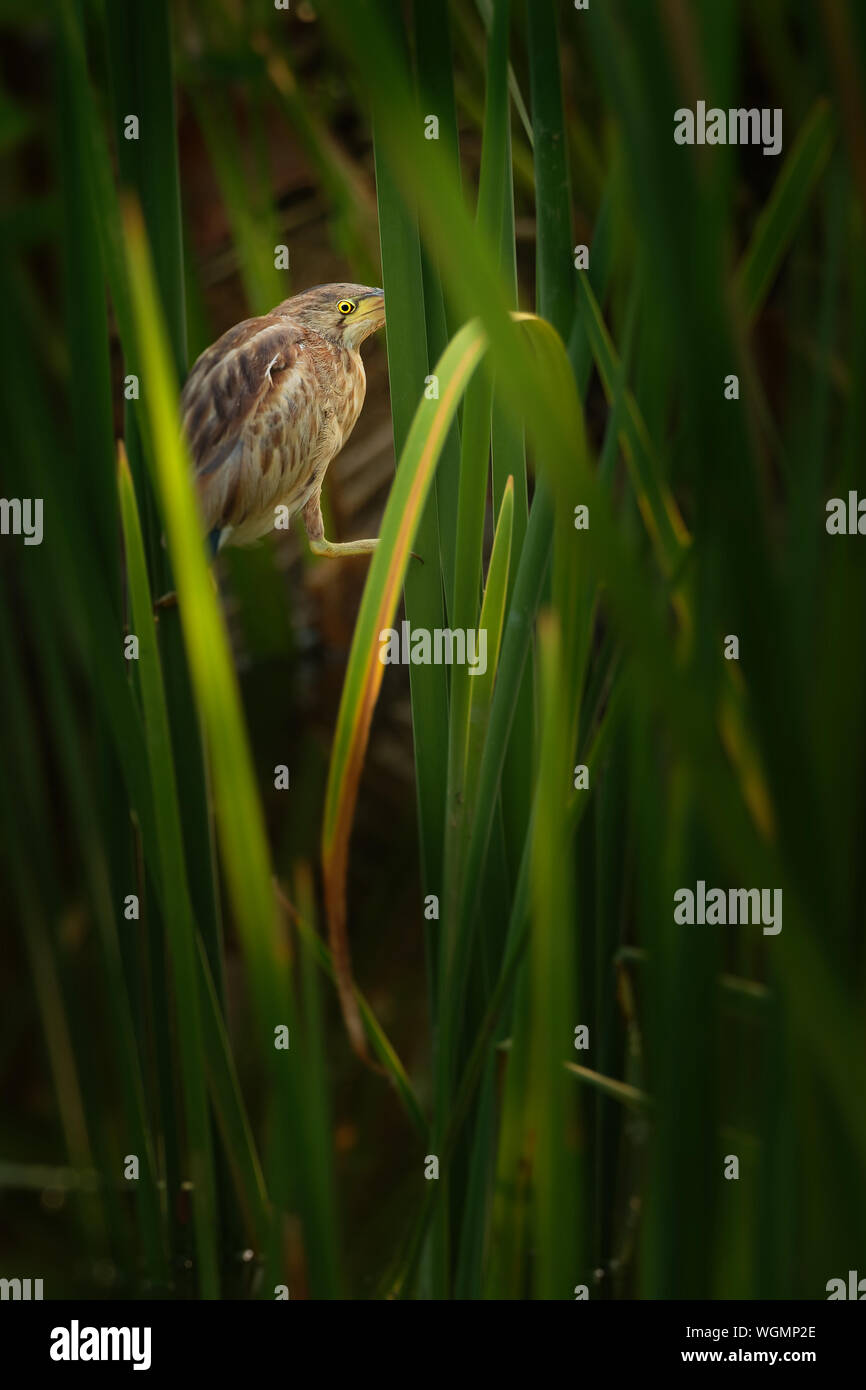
270	404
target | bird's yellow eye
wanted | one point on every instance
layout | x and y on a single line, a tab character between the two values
346	306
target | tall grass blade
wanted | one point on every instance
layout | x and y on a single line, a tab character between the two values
176	900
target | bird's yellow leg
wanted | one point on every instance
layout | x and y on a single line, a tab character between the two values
315	528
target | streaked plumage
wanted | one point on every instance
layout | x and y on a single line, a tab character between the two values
270	404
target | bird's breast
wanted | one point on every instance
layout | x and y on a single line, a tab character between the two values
343	390
342	386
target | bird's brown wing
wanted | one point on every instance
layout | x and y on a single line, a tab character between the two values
246	410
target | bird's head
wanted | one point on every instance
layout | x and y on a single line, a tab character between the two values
343	313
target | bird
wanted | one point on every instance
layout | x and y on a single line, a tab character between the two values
267	407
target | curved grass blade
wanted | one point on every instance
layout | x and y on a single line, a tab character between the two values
365	669
239	813
381	592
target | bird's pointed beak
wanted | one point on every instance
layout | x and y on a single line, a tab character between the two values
372	309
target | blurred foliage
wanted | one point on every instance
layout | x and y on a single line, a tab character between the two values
150	1031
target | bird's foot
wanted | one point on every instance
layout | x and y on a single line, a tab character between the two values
167	601
321	546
